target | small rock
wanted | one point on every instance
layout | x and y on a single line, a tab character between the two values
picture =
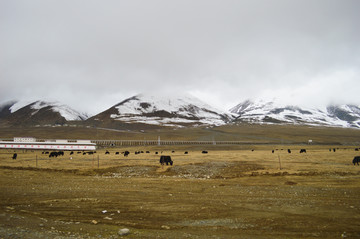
165	227
107	218
94	222
105	211
123	232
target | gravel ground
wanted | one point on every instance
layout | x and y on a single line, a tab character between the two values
211	197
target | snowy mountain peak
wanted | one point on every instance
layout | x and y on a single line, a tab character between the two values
164	110
273	112
65	111
31	109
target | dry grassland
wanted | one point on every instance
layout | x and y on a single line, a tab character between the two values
247	133
243	191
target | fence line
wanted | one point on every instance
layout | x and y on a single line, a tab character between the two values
162	142
117	143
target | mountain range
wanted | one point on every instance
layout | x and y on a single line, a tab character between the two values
271	112
149	111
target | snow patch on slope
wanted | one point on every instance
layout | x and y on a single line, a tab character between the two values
64	110
168	110
261	111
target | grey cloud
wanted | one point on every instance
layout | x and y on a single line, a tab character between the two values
223	50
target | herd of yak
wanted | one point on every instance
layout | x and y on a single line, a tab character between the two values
166	159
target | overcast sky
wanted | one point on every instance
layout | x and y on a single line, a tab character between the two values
93	54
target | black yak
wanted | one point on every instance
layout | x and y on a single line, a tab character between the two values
165	160
356	160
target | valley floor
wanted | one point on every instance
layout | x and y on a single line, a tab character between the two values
228	193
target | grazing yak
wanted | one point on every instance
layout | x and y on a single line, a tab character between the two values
289	151
165	160
126	153
204	152
356	160
14	156
302	150
55	154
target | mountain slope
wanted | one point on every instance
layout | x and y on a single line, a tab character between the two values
178	111
38	113
273	112
5	109
346	113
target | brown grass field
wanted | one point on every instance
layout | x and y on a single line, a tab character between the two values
237	191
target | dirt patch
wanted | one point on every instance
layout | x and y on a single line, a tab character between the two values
213	170
196	171
127	172
290	183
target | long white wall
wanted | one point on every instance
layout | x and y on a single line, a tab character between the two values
34	146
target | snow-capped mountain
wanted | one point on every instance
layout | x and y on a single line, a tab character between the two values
65	111
274	112
153	111
183	110
38	113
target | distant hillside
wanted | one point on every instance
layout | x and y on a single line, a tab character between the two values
146	111
37	113
272	112
175	111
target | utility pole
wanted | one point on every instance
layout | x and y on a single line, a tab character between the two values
279	161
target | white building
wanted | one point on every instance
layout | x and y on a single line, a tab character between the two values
59	144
